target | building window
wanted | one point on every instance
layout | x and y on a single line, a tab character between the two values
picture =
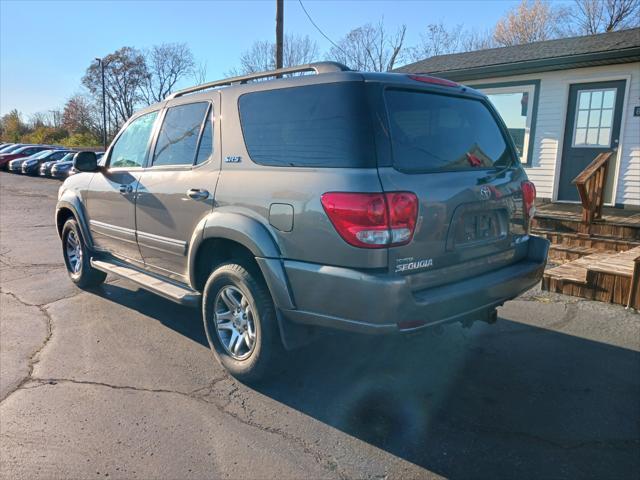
515	104
594	118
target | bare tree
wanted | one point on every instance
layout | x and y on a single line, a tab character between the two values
125	75
82	114
437	40
166	64
371	48
199	73
596	16
530	21
477	40
39	119
261	56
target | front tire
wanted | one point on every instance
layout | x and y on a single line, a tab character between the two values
240	323
76	257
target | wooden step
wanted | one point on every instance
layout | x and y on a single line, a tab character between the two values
608	229
562	252
581	240
171	291
604	276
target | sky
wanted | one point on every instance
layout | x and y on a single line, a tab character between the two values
46	46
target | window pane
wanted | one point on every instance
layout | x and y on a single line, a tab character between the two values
596	99
604	139
513	108
592	136
580	136
609	97
326	125
594	118
178	137
607	116
131	147
583	115
206	144
585	98
431	132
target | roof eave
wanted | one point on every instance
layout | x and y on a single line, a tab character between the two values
627	55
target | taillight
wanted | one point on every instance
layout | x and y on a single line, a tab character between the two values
372	220
528	200
434	80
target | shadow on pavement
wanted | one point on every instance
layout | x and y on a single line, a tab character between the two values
504	401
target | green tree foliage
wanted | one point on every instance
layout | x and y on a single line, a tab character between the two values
13	128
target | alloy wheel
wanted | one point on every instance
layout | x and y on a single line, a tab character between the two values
74	252
234	322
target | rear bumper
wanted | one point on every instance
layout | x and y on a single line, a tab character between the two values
351	300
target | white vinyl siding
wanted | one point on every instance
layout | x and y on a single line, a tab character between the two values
543	168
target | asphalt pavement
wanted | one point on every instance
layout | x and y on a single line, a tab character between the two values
119	383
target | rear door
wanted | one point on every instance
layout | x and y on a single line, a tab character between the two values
176	189
452	152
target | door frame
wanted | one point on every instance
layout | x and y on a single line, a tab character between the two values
604	77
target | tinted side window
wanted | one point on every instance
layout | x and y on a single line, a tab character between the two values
178	137
432	132
312	126
206	142
131	148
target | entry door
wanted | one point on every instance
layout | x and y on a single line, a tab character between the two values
176	191
593	122
111	197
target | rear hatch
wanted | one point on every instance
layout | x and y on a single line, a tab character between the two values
449	147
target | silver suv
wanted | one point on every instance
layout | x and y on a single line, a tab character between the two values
286	202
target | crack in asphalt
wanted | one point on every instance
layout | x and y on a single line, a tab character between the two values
612	443
330	465
34	357
201	394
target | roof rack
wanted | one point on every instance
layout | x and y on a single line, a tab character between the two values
319	67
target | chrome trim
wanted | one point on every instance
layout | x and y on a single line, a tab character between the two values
164	244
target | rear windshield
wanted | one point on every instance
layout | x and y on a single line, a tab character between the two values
432	132
324	125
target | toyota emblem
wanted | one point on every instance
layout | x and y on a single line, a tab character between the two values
485	192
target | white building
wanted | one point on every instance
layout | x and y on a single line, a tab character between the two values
564	101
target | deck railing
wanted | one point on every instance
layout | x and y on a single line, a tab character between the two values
591	183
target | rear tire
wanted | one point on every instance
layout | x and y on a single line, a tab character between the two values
77	259
240	323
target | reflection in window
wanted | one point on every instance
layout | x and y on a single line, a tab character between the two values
178	137
131	147
515	105
594	118
206	143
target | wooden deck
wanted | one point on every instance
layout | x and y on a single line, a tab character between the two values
617	223
596	260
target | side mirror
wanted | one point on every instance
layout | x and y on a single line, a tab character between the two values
85	162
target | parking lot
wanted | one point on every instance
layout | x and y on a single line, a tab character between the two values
120	383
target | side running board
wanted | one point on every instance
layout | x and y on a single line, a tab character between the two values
168	290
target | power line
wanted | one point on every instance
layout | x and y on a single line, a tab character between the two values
320	30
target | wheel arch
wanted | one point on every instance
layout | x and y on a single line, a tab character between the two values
222	236
70	207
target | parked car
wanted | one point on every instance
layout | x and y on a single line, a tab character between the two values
366	202
7	147
15	165
22	152
31	166
45	167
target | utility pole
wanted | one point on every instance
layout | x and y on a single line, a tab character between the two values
279	32
104	107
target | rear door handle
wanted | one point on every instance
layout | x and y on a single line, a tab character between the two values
198	194
125	189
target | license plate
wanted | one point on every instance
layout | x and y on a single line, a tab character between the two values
478	228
